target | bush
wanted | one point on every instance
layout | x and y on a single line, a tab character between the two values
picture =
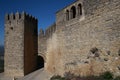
70	76
57	77
107	76
117	78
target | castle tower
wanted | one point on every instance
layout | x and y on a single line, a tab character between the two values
21	44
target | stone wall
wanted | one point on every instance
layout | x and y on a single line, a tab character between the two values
42	40
20	44
14	45
30	44
88	44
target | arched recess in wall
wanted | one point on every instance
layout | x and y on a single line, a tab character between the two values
79	9
40	62
73	12
67	15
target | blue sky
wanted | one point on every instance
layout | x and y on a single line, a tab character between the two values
43	10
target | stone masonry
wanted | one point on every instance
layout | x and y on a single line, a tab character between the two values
86	40
20	44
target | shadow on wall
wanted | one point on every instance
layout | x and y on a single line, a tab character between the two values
40	62
1	64
1	58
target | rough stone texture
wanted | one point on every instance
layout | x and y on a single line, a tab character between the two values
42	40
85	40
20	44
42	44
88	44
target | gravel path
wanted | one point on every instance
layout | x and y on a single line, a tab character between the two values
37	75
40	74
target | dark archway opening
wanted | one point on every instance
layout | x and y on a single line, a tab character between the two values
73	12
67	15
40	62
79	9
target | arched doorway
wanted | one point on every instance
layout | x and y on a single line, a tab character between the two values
67	15
40	62
79	9
73	12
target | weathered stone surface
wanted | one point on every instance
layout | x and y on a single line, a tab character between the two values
20	44
69	48
85	40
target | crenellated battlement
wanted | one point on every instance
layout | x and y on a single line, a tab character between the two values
84	40
19	16
29	17
14	16
48	32
21	30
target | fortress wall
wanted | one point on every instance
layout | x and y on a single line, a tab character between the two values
21	45
43	37
42	43
91	44
50	30
14	45
30	44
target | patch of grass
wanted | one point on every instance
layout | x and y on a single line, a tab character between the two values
70	76
106	76
117	78
57	77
